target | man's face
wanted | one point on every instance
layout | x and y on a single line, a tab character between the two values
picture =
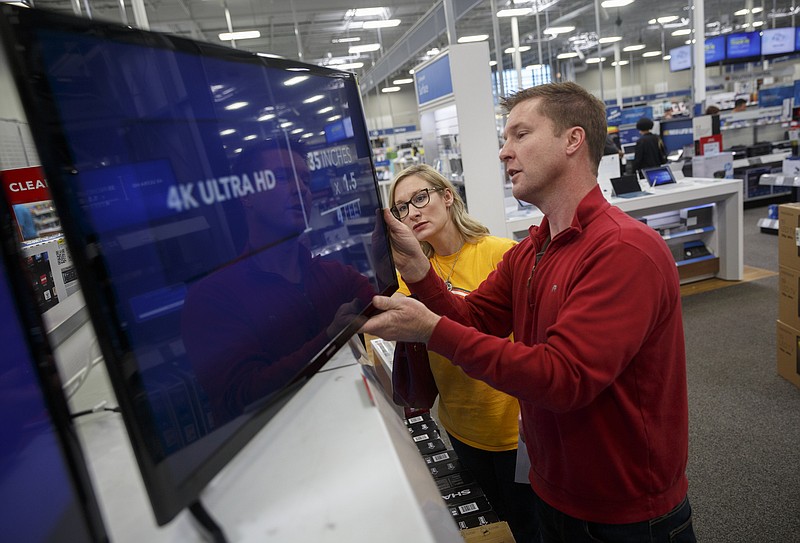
287	206
533	155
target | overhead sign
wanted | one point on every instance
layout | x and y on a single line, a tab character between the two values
433	81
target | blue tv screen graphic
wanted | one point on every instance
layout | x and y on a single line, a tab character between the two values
743	45
715	49
777	41
40	500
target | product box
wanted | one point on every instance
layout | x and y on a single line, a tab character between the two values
497	532
467	522
788	240
791	166
788	343
462	495
698	217
443	464
789	296
457	480
423	427
477	505
416	419
430	446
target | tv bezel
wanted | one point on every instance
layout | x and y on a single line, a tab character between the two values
167	496
47	376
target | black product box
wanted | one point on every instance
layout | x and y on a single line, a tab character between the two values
419	418
478	505
457	480
431	433
462	495
422	427
465	522
444	464
698	217
430	446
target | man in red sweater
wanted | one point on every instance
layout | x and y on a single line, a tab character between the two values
598	364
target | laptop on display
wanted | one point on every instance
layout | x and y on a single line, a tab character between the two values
627	186
660	177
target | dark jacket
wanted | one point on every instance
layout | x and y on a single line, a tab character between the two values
649	153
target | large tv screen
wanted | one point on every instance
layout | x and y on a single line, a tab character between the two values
225	226
45	488
743	45
777	41
715	50
680	58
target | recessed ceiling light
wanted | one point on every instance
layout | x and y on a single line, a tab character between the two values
286	124
366	48
325	110
402	81
227	132
346	40
610	39
388	23
514	12
651	54
620	63
682	32
667	19
349	66
563	56
250	137
366	12
631	48
267	117
594	60
295	80
296	131
390	89
333	118
473	39
615	3
312	99
522	49
556	30
236	105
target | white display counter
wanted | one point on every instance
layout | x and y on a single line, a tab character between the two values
337	464
725	240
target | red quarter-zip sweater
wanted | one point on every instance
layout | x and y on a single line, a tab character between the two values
598	365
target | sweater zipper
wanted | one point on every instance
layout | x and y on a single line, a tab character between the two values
539	256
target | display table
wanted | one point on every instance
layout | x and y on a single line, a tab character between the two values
725	240
335	465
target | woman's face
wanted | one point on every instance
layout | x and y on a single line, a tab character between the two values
431	219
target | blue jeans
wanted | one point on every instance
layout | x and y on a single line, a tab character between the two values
673	527
513	502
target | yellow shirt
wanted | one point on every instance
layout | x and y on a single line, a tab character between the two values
470	410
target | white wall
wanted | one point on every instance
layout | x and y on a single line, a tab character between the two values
392	109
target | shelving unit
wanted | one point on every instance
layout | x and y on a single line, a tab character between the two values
789	183
723	237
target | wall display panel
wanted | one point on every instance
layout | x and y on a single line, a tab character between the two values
223	214
715	50
743	45
680	58
777	41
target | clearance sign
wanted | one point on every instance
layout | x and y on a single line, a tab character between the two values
24	185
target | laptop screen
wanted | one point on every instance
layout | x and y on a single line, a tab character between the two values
625	184
659	176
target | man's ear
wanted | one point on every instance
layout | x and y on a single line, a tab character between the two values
576	136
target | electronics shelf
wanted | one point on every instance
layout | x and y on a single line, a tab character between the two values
723	237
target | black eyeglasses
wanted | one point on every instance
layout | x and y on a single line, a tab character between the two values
420	200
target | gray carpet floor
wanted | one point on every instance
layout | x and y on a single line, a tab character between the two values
744	455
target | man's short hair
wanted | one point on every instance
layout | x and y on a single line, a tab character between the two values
740	102
644	124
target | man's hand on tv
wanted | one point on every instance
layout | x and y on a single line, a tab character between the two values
411	262
401	319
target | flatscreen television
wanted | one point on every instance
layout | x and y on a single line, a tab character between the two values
228	242
715	50
45	488
680	58
777	41
742	46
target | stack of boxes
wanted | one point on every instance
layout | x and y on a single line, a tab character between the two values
788	339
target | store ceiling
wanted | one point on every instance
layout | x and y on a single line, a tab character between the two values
307	28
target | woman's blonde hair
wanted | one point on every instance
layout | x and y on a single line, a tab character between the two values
469	229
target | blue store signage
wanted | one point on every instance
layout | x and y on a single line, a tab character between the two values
433	81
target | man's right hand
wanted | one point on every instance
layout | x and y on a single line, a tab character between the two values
411	262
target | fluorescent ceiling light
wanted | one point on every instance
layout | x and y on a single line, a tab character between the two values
631	48
306	135
325	110
312	99
758	23
250	137
267	117
236	105
298	69
533	67
594	60
346	40
492	63
472	39
563	56
286	124
682	32
666	19
620	63
365	12
243	35
432	52
390	89
651	54
333	118
667	57
615	3
366	48
402	81
269	55
556	30
388	23
522	49
296	130
295	80
349	66
514	12
227	132
411	71
610	39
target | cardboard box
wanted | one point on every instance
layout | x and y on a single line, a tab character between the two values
497	532
788	241
789	296
788	352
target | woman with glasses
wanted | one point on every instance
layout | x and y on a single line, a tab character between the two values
480	421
